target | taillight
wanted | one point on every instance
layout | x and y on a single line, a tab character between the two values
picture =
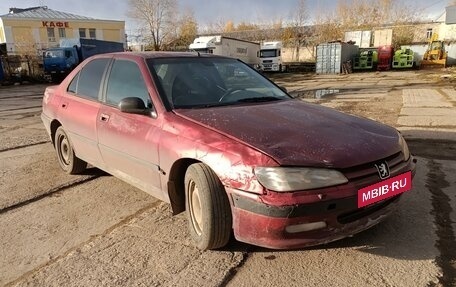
47	95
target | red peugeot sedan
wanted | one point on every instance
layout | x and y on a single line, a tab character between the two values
213	137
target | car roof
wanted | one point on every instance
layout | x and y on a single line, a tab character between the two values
161	54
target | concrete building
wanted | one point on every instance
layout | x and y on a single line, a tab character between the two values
447	29
29	31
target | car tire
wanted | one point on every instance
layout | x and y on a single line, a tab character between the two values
208	209
68	161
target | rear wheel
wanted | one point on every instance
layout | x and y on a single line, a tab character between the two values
208	208
68	161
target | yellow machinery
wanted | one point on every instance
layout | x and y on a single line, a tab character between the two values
435	54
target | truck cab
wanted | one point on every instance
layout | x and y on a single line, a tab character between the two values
204	44
271	57
58	62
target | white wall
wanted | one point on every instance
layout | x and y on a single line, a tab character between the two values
420	49
305	54
447	32
10	47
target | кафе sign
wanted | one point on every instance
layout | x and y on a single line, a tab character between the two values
53	24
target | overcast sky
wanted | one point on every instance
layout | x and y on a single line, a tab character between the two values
205	11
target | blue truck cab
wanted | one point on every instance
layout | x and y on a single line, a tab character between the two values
60	61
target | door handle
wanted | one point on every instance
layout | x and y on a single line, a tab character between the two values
104	117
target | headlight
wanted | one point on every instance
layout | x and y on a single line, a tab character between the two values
283	179
404	147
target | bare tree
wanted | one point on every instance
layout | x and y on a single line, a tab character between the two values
214	27
300	16
244	26
327	29
186	31
365	14
274	30
294	34
351	15
158	19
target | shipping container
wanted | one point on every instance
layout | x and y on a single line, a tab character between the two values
331	57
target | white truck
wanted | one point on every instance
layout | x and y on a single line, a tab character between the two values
276	58
229	47
271	57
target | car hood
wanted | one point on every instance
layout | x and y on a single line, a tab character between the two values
295	133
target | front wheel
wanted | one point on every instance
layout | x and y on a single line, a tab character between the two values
68	161
208	208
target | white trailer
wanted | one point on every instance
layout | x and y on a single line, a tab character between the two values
229	47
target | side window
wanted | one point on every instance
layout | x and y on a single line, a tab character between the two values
90	78
72	88
125	80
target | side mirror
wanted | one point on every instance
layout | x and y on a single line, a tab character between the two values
133	105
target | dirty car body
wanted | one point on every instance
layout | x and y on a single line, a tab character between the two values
214	138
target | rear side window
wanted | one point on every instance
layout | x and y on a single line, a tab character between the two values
72	88
90	77
126	80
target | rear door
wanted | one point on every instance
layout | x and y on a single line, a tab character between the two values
129	142
79	107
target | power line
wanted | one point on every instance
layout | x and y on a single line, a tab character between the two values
435	3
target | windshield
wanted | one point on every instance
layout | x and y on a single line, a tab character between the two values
268	53
436	45
206	82
53	54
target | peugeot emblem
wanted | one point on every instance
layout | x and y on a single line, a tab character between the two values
383	169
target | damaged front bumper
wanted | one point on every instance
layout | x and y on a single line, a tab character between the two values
307	218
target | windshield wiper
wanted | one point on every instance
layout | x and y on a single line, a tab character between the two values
259	100
201	106
246	100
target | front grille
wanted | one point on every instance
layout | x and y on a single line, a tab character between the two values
365	211
395	162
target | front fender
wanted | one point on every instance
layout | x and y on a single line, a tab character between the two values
231	160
